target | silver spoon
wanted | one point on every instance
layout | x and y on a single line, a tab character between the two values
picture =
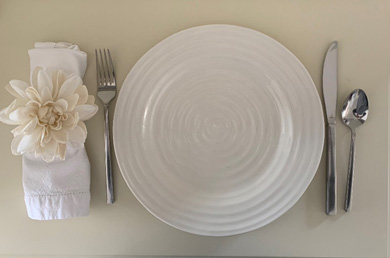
354	114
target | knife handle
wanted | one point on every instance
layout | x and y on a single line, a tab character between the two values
331	178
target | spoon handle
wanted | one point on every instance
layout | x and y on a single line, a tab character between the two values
331	177
351	166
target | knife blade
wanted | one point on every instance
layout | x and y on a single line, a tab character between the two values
329	87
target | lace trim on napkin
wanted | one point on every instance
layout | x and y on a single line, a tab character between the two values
61	206
56	194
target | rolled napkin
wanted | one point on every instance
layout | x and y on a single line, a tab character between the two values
51	132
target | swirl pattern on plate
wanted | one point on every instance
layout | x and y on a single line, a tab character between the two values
218	130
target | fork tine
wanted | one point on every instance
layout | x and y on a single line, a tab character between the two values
105	68
112	67
108	68
103	73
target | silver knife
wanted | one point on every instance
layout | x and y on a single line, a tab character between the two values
329	87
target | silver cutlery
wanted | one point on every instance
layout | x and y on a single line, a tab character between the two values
329	84
353	114
106	92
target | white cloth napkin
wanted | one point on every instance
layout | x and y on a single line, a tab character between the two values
59	189
62	55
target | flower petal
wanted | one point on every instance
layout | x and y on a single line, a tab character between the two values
83	126
45	137
34	77
86	111
26	128
70	86
61	151
31	126
15	143
72	101
17	88
61	105
78	134
48	151
19	129
23	114
59	78
4	113
46	96
44	83
91	100
70	121
33	94
60	136
83	95
4	118
28	142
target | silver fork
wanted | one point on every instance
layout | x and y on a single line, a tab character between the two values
106	92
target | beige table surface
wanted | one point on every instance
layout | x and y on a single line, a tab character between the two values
305	27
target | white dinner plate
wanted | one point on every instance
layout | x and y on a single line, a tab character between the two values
218	130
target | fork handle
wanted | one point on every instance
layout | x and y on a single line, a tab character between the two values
107	148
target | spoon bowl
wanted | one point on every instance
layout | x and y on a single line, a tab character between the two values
355	109
354	114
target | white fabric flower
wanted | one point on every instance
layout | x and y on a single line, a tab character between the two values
49	113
